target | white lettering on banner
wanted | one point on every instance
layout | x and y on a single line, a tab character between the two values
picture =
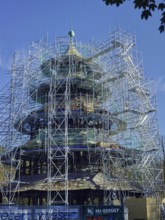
14	215
56	214
108	210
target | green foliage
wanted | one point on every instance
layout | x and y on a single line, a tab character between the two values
147	7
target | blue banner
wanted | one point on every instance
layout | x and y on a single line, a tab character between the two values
14	213
39	213
58	212
103	212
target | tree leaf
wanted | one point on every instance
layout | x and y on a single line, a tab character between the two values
161	28
138	4
163	18
161	6
146	14
152	6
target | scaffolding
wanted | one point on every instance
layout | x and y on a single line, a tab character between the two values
80	108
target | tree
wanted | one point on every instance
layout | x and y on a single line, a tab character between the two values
147	7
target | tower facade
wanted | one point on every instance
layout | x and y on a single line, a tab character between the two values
80	125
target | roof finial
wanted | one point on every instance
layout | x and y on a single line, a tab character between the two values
71	35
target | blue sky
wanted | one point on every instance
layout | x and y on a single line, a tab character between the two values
23	21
